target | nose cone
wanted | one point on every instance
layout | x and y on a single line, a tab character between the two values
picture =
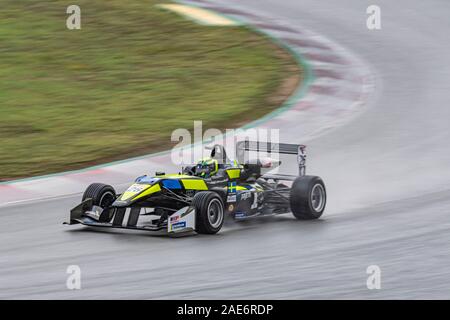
121	203
137	192
131	194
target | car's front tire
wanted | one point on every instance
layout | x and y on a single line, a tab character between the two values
209	210
308	197
102	195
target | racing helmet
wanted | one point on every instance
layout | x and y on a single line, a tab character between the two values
206	167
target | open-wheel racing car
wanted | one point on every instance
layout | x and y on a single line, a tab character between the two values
199	197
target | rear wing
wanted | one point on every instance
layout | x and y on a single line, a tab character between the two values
269	147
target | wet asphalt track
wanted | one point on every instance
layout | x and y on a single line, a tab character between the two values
387	175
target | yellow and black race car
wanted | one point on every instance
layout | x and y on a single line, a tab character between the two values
199	198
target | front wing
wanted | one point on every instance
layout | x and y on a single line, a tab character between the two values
88	214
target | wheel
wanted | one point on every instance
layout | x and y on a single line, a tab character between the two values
308	197
102	195
209	212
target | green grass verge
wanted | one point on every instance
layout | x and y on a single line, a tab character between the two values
118	87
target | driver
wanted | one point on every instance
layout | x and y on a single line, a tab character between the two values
206	167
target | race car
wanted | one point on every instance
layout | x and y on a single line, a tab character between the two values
198	198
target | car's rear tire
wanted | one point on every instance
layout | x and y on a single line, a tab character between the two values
209	212
308	197
102	195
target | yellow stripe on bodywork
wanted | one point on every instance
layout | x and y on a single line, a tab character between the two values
194	184
149	191
127	195
133	190
234	173
199	15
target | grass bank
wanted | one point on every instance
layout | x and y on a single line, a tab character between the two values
118	87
